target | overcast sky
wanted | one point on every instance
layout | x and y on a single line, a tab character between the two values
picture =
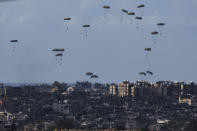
114	49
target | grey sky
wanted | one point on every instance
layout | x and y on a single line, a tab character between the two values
114	50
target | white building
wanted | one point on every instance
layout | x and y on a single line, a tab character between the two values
61	107
185	100
113	89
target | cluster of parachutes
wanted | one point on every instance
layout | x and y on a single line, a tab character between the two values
106	8
148	50
58	52
91	75
155	33
131	14
67	21
138	19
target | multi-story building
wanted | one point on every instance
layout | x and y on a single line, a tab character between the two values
113	89
160	89
61	107
139	89
2	90
185	100
124	89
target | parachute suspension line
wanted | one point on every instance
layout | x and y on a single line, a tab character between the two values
122	14
131	15
56	58
106	18
86	29
13	43
141	8
143	78
106	7
13	47
66	22
138	20
59	63
66	25
147	55
86	33
131	20
146	78
89	79
58	54
160	30
61	58
154	39
105	14
137	25
142	12
160	26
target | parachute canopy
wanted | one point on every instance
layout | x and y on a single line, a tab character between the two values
149	72
94	76
160	24
154	33
131	13
106	7
142	73
141	6
86	26
13	40
138	18
58	49
125	11
59	54
89	73
67	18
147	49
